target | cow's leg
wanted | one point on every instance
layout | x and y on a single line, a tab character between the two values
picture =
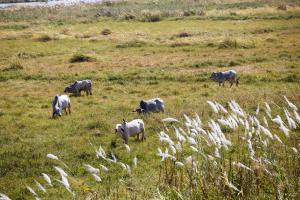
91	91
87	93
223	83
220	83
143	135
137	137
69	108
231	83
66	111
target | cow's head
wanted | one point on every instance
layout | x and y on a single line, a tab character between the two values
139	110
213	75
69	89
56	112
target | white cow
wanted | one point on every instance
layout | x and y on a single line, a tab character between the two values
60	103
130	129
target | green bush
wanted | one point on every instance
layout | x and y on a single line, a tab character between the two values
81	58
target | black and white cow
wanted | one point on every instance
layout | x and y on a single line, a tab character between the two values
221	77
152	105
78	86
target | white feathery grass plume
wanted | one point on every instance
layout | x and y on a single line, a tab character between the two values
104	168
268	108
40	186
179	164
179	136
128	169
241	165
163	137
235	107
265	121
4	197
250	148
257	123
97	178
194	149
127	147
220	107
297	116
291	122
257	110
291	105
217	154
191	140
65	182
295	150
268	114
173	149
285	130
170	120
89	197
52	156
213	106
198	120
229	184
188	121
266	132
91	169
122	165
134	161
47	179
60	171
100	153
278	139
31	190
189	160
278	120
218	134
178	147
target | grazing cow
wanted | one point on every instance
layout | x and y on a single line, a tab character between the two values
60	103
221	77
130	129
152	105
78	86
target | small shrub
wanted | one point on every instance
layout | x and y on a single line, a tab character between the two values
106	31
81	58
282	7
180	44
151	16
228	43
14	66
184	34
44	38
134	43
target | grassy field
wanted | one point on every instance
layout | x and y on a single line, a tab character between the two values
140	50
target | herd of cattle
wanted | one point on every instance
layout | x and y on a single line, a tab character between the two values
137	126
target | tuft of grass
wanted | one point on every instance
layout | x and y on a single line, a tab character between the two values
151	16
230	44
14	66
129	44
183	35
81	58
44	38
106	31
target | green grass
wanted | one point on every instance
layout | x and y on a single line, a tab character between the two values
171	58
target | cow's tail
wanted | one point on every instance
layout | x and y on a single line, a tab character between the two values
237	81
